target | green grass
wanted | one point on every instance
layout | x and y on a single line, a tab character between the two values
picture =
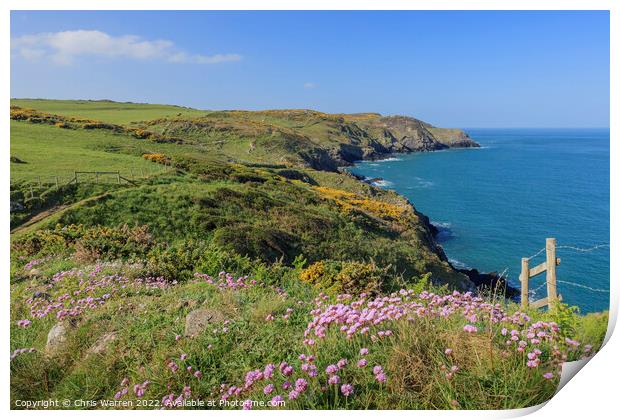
112	112
51	151
146	321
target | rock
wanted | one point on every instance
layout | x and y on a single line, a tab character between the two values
56	338
198	320
17	206
102	343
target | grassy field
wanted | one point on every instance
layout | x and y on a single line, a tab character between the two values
112	112
49	151
337	295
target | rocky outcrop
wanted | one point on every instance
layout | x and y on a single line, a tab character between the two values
198	320
493	282
56	338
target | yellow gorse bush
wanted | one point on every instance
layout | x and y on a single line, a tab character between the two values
348	201
156	157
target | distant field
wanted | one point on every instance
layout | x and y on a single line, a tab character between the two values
112	112
50	151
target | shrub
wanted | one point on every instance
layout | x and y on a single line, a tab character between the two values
176	262
157	158
90	243
345	276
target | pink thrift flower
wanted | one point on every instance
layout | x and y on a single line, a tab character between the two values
331	369
362	363
301	385
364	351
448	352
247	405
470	328
333	380
268	389
346	389
548	375
377	370
380	377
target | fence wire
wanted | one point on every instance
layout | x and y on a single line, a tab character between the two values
532	292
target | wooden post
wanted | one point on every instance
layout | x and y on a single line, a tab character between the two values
552	292
131	173
96	177
40	186
525	282
75	177
118	176
142	172
56	181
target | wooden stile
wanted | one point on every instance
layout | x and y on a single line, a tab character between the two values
547	267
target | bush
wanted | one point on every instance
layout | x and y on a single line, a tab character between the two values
157	158
176	262
89	243
345	276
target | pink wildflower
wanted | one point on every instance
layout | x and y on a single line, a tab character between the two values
333	380
470	328
346	389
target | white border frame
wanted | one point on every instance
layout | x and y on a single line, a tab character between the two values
593	394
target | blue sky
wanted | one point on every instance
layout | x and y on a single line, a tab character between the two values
458	69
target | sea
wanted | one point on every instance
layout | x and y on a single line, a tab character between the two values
495	204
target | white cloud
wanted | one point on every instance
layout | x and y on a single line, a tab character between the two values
310	85
64	47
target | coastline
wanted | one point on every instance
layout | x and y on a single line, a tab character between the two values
493	281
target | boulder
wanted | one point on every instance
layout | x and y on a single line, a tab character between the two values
198	320
56	337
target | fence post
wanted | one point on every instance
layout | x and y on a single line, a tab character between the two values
56	181
118	176
75	177
552	292
525	282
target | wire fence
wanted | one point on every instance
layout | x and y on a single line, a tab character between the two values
35	186
533	292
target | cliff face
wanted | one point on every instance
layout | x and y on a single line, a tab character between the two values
310	138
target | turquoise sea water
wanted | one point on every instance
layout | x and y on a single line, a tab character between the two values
496	204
